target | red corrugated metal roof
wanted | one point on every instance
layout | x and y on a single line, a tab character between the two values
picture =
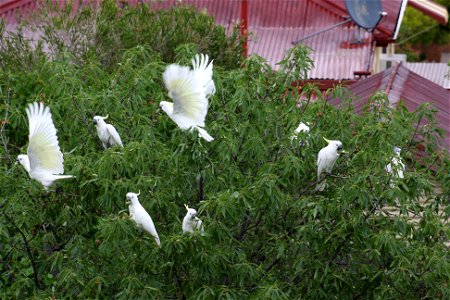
439	73
276	24
401	84
11	11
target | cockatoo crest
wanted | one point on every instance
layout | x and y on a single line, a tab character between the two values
334	144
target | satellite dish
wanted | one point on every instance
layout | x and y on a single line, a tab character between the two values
365	13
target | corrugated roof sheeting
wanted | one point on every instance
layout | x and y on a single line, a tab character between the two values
332	61
408	87
12	11
277	23
436	72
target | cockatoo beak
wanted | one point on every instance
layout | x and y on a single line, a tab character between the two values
128	201
95	122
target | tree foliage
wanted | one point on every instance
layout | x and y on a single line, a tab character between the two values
268	233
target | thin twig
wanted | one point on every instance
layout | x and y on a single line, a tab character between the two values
414	134
200	194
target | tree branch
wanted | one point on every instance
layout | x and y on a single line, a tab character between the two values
27	246
180	294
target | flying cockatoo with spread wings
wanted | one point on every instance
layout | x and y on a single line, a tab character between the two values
44	160
191	222
141	217
107	133
326	159
189	90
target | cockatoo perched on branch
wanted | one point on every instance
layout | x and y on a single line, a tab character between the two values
191	222
326	159
399	167
140	216
190	90
107	133
44	161
301	128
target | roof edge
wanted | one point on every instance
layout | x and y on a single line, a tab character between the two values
400	18
431	9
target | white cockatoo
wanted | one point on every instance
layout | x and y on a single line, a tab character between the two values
326	159
107	133
301	128
191	222
44	160
203	72
140	216
399	167
189	90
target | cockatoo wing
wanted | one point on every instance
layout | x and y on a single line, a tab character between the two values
203	72
43	148
189	100
325	160
388	168
114	135
321	161
199	226
144	220
302	128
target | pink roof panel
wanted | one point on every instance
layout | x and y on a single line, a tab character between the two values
401	84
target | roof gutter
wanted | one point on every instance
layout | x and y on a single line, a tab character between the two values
429	8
